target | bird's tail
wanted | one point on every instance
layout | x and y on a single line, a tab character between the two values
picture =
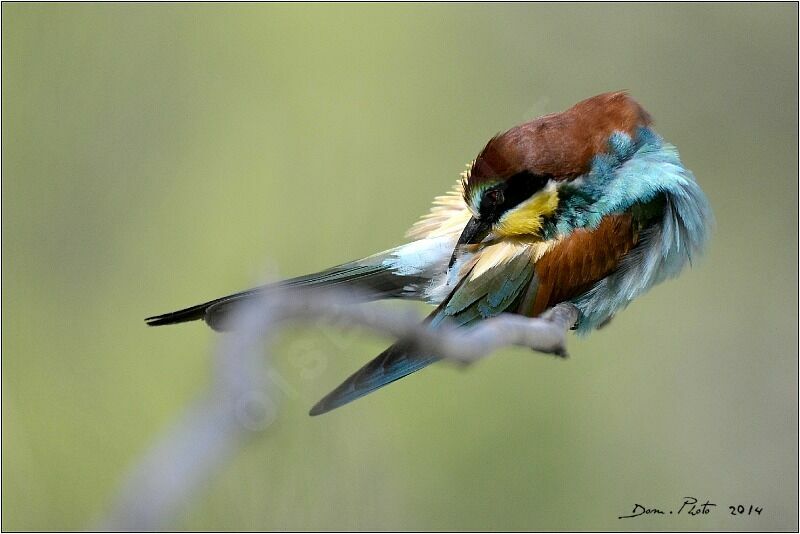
371	276
394	363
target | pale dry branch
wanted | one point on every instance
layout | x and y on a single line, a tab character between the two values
464	345
242	398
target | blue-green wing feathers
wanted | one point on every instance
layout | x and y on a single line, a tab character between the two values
482	297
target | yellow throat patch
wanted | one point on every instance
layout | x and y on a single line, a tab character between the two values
526	219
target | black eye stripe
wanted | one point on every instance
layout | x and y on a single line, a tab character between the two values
515	190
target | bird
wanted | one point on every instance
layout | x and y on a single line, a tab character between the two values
588	206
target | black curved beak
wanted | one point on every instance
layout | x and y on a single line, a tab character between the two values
474	232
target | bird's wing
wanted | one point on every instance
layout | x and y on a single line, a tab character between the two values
492	283
376	277
578	261
401	272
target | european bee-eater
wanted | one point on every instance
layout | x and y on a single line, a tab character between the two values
588	206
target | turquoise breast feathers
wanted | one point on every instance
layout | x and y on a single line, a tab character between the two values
635	172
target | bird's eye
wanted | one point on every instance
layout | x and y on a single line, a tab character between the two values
494	197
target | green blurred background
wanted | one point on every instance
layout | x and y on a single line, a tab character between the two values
157	155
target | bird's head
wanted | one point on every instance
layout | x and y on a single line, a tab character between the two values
513	185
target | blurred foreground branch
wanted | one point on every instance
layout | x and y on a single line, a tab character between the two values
241	398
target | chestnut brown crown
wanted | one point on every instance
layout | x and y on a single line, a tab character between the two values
559	146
